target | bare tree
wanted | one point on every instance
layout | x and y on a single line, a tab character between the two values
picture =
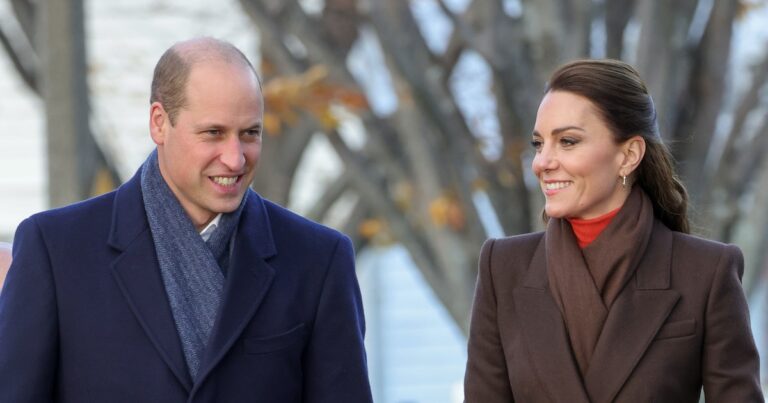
46	43
423	163
417	177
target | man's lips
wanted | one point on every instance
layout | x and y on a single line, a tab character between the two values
225	181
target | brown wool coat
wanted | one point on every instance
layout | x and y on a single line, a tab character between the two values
681	322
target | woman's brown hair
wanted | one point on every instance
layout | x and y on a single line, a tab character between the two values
622	99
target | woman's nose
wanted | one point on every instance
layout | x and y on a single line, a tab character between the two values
545	160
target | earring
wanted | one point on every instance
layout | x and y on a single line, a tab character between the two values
624	180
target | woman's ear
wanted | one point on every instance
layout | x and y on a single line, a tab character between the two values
633	150
158	122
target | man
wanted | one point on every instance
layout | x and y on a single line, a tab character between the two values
5	261
183	285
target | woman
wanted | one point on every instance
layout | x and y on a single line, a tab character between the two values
5	261
614	302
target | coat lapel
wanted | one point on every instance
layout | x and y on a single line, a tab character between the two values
545	334
248	280
137	274
634	319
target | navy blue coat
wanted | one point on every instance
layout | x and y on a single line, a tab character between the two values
84	316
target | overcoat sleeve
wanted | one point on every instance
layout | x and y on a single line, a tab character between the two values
486	379
731	366
28	321
335	360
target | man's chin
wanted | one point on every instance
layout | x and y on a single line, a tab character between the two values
227	206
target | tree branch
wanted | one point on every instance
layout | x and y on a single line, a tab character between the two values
329	197
351	228
701	104
21	53
617	15
26	15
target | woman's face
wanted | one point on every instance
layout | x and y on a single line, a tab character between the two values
577	161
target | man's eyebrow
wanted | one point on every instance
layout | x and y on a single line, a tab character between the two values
208	125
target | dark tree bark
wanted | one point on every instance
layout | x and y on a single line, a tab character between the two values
47	47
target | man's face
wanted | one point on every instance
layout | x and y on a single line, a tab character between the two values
209	157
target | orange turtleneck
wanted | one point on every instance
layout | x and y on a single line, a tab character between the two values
588	230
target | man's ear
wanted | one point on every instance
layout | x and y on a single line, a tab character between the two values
633	150
159	123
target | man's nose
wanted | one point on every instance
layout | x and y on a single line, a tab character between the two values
232	155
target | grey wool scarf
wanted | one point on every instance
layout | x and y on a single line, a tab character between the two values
193	270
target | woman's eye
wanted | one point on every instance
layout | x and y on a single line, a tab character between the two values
536	144
566	141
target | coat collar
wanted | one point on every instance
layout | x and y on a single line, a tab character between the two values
137	273
634	319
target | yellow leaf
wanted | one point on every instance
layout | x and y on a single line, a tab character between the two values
272	124
315	74
370	228
287	98
102	182
446	211
438	211
354	100
327	119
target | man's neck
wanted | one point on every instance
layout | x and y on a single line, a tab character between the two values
208	229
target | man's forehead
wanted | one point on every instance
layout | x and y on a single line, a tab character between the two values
208	50
220	83
221	69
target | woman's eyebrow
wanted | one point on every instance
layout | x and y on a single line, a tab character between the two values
560	130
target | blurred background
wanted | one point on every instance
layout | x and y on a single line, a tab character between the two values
404	123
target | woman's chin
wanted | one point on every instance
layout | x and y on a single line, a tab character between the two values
554	213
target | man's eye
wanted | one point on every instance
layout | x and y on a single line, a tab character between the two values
253	132
213	132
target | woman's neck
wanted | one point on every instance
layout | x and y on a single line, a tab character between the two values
587	230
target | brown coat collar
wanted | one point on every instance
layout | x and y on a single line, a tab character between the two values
635	318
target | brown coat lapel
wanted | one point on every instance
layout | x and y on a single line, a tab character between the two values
545	335
634	319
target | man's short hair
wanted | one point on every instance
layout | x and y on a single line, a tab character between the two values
172	70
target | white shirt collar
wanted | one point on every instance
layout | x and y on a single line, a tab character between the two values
208	230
